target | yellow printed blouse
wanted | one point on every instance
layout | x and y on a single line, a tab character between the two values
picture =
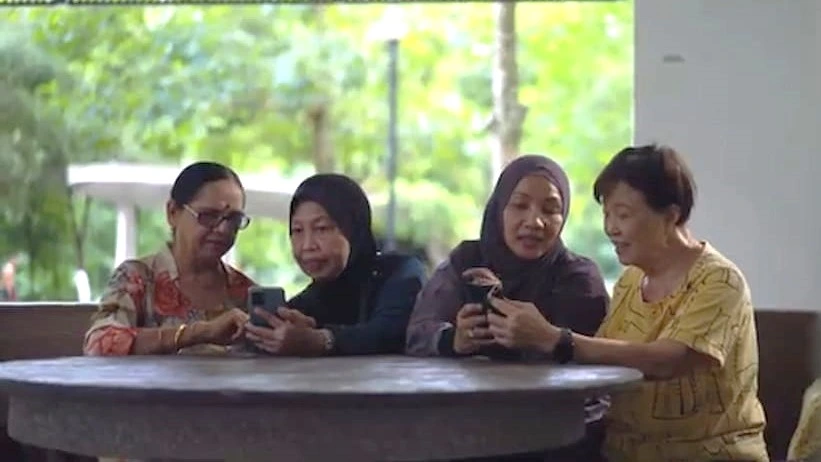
706	415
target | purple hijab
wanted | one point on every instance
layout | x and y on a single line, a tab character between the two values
567	288
519	277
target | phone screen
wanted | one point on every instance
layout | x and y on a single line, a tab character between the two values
267	298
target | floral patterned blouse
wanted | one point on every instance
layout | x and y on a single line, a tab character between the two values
145	293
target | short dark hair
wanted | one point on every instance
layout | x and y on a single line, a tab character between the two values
658	172
193	177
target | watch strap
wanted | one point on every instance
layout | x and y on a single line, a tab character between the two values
564	351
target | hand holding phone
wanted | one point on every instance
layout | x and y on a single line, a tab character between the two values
479	294
268	299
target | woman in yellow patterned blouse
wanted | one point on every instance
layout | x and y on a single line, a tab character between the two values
681	313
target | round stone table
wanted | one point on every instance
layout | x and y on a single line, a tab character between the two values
329	409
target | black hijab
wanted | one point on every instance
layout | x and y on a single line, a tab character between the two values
342	300
521	279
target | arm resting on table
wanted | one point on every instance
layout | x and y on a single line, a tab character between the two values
384	331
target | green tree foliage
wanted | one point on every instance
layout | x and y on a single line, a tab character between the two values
243	85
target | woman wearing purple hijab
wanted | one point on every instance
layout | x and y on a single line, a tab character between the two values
521	255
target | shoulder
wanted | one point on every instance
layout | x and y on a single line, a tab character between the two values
577	272
467	254
626	285
129	270
237	278
400	266
715	272
238	284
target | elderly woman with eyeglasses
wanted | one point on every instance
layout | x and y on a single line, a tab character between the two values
184	295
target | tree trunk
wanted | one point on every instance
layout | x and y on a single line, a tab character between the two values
79	228
321	146
319	115
508	113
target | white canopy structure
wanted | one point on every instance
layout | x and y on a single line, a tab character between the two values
132	186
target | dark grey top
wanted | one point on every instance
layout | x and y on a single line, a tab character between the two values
301	381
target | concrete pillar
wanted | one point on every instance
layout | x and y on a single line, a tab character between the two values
736	86
126	243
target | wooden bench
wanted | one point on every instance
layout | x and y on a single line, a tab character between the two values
33	331
787	340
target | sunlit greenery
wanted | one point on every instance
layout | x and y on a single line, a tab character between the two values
238	84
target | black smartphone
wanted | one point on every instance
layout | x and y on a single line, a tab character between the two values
475	293
267	298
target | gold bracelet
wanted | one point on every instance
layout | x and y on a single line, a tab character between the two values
177	336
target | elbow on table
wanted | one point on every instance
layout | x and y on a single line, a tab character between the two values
420	341
109	341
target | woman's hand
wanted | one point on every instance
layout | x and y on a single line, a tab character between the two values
481	277
225	329
285	338
522	326
471	330
296	317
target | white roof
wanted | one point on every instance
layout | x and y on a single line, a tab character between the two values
148	186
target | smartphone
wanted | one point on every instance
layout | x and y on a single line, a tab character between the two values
479	294
476	293
267	298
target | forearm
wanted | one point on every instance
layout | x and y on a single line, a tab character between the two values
423	338
657	360
161	340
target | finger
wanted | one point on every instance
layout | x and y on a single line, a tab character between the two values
260	332
481	334
484	342
471	273
473	322
288	314
495	320
469	309
311	321
476	271
238	332
272	320
240	313
242	316
503	305
498	332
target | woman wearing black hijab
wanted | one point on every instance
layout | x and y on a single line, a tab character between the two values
520	253
359	300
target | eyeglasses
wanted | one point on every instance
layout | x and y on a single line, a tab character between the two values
211	218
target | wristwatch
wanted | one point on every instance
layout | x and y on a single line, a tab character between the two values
563	352
328	337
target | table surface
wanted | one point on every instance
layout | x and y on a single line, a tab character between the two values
343	409
290	380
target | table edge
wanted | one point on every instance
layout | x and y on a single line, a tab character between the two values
31	390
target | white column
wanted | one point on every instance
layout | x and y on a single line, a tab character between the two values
126	244
736	86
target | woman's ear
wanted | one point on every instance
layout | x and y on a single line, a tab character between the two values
672	215
171	213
